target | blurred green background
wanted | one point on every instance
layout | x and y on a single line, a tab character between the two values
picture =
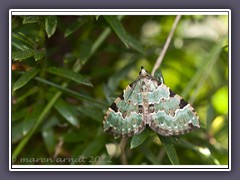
67	70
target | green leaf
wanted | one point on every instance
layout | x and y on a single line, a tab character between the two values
170	149
41	35
19	115
93	148
135	44
97	17
20	55
85	51
202	151
210	115
118	29
74	137
23	42
51	122
26	94
65	110
126	38
158	75
49	140
31	19
92	113
138	139
25	78
31	117
50	25
114	80
17	131
38	54
75	25
81	96
70	75
148	153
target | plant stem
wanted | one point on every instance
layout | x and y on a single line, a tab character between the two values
163	52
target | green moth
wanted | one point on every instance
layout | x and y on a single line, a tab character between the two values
149	102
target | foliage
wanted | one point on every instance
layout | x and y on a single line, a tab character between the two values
67	70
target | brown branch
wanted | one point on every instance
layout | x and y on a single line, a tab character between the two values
160	57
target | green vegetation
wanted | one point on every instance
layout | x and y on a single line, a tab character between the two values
67	70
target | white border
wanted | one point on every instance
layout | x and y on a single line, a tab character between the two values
121	167
10	90
229	89
119	12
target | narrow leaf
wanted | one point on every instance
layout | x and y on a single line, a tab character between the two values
81	96
118	76
31	118
26	94
75	25
85	51
50	25
92	113
25	42
170	149
31	19
148	153
51	122
25	78
49	141
93	148
20	55
65	110
17	131
158	75
70	75
135	44
38	54
74	137
138	139
210	115
19	115
118	28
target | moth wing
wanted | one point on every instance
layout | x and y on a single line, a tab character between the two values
171	114
123	117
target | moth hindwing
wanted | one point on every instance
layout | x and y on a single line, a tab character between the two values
149	102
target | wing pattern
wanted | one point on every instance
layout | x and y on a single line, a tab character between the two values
149	102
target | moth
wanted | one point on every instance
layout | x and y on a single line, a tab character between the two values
149	102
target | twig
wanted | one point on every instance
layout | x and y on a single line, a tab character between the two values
58	148
160	57
123	152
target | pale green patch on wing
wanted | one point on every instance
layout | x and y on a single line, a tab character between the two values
168	125
126	108
169	106
136	98
158	94
119	126
124	120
